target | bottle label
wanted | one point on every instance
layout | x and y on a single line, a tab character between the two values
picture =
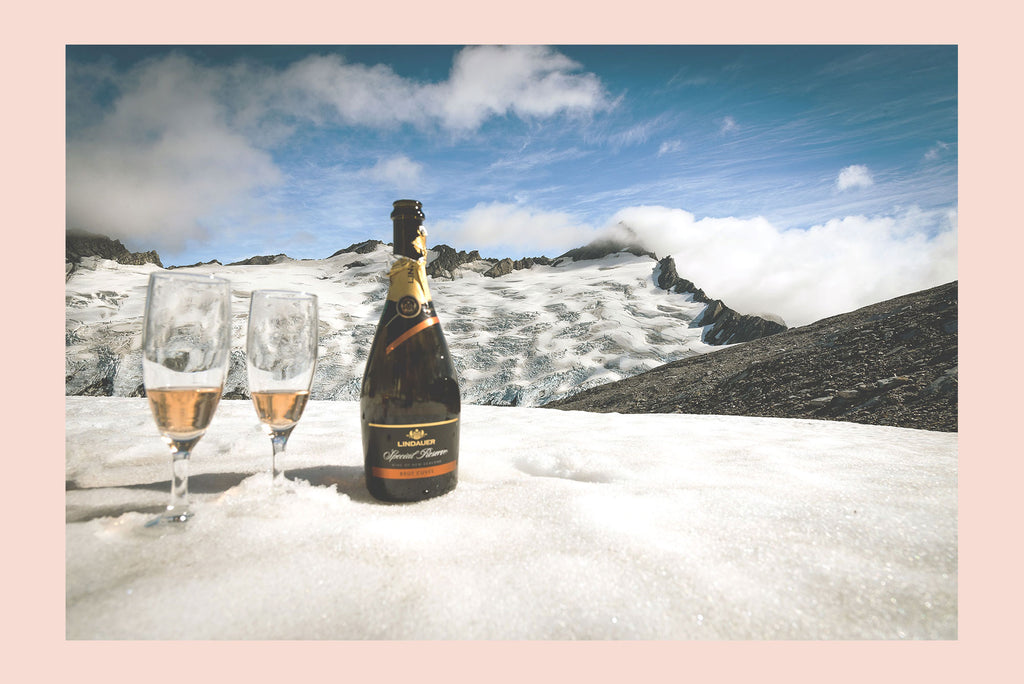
414	310
413	450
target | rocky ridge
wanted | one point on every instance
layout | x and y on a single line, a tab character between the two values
446	260
79	245
724	325
892	363
364	247
262	260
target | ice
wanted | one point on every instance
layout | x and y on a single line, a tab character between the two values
527	338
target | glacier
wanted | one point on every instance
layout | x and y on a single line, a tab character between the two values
524	339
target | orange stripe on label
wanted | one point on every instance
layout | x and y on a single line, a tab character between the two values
412	425
413	473
422	325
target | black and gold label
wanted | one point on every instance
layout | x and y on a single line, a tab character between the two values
410	294
408	279
413	451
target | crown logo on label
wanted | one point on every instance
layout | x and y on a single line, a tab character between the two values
417	434
408	307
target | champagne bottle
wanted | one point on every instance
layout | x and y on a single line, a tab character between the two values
409	402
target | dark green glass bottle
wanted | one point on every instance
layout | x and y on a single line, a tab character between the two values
409	403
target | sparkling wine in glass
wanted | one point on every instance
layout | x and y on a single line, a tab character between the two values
186	342
281	351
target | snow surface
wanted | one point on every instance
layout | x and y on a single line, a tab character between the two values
525	339
565	525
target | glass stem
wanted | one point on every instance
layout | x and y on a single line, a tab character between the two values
278	438
179	506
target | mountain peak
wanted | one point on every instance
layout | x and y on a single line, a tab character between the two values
602	247
79	244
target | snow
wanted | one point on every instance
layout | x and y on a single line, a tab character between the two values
564	526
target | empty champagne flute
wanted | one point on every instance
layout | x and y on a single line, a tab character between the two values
281	351
186	342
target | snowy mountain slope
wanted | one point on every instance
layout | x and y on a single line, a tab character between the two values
527	338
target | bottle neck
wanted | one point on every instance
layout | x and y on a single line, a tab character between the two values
408	220
407	237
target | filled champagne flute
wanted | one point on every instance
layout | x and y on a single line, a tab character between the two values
186	344
281	351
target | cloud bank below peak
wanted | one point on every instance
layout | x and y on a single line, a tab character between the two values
801	275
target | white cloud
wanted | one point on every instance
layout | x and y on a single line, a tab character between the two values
399	171
728	125
500	229
325	88
485	81
855	176
161	159
528	81
802	275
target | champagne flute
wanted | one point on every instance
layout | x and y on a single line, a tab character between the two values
186	342
281	351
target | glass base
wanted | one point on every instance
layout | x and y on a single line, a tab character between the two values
170	517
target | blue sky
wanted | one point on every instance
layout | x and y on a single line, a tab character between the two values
759	167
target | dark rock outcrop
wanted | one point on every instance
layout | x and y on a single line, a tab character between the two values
211	262
627	240
79	244
364	247
530	262
261	260
729	327
503	267
598	249
724	325
446	260
892	363
668	279
506	266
